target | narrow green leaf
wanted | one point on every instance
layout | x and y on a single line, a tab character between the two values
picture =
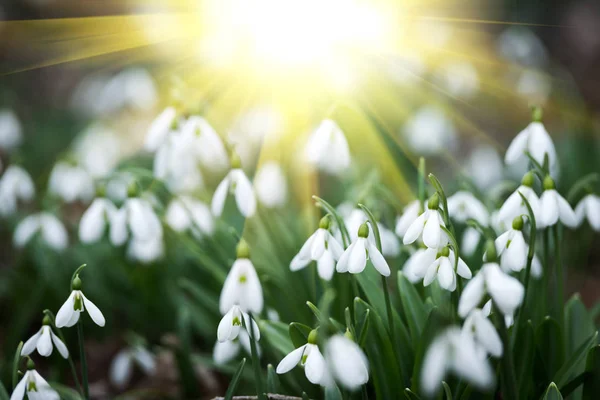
363	328
277	335
524	355
315	310
299	334
414	308
3	393
447	391
574	384
567	370
374	225
552	393
65	392
235	380
591	386
338	219
272	380
550	347
305	396
410	395
16	361
332	392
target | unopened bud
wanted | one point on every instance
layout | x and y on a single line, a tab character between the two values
517	223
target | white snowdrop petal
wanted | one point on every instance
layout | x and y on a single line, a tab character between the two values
31	344
358	257
446	275
94	311
472	295
415	229
298	263
517	147
347	362
118	227
290	360
343	263
244	195
593	212
432	271
44	344
567	215
225	328
334	246
65	313
318	244
93	222
411	212
218	200
224	352
580	210
177	216
549	208
144	359
121	369
60	346
378	261
326	266
432	232
54	232
253	295
19	391
486	334
506	291
25	230
315	365
434	366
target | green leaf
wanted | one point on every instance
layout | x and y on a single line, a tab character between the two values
315	310
332	392
574	384
410	395
340	222
362	328
234	381
277	335
569	367
591	387
552	393
550	348
272	380
447	391
299	334
16	361
65	392
374	225
524	355
3	393
414	308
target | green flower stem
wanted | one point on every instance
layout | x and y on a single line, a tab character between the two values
546	272
560	276
70	358
509	380
16	361
84	368
260	393
421	185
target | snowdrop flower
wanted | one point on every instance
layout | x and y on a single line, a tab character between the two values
98	150
121	367
484	334
146	251
459	79
176	162
354	258
207	144
71	183
463	206
136	216
454	351
15	185
34	386
321	247
76	303
237	183
328	149
553	207
441	268
309	356
535	140
354	218
186	213
271	186
441	132
347	362
506	292
514	205
223	352
409	215
513	251
470	240
42	341
429	224
422	256
95	220
160	128
11	134
485	166
242	287
230	324
589	207
487	311
52	231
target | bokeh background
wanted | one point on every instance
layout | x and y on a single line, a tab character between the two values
449	80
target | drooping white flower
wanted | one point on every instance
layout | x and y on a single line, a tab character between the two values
11	134
42	341
354	258
34	386
454	351
309	356
459	79
328	149
441	132
554	207
135	218
470	240
95	220
321	247
223	352
121	367
71	183
409	215
429	224
242	287
589	207
487	311
511	247
160	128
442	267
15	185
146	251
98	149
535	140
506	292
421	256
347	362
271	185
463	206
187	213
207	144
355	217
52	231
514	205
76	303
237	183
231	323
484	334
485	166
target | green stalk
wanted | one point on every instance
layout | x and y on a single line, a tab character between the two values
560	276
421	185
16	361
84	368
546	273
70	358
509	379
255	361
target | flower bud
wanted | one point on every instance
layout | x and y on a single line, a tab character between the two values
76	285
517	223
324	222
312	337
363	230
528	179
434	202
30	364
536	114
490	249
46	320
549	183
235	161
243	250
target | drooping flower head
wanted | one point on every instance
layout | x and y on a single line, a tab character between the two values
514	205
34	386
347	362
77	303
236	183
354	259
428	225
309	356
554	207
589	207
43	340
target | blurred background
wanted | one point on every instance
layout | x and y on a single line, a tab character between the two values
81	83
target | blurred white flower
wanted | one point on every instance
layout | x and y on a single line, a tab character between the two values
514	205
485	166
118	186
422	256
454	351
430	132
428	225
242	288
511	248
205	143
506	292
347	362
231	323
11	134
327	148
226	351
76	303
442	267
137	88
459	79
15	185
71	183
487	311
34	386
271	185
146	251
160	128
470	240
589	207
463	206
98	150
354	258
121	367
309	356
484	334
354	218
554	207
321	247
535	140
520	45
52	231
95	220
187	213
409	215
237	183
42	341
534	85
